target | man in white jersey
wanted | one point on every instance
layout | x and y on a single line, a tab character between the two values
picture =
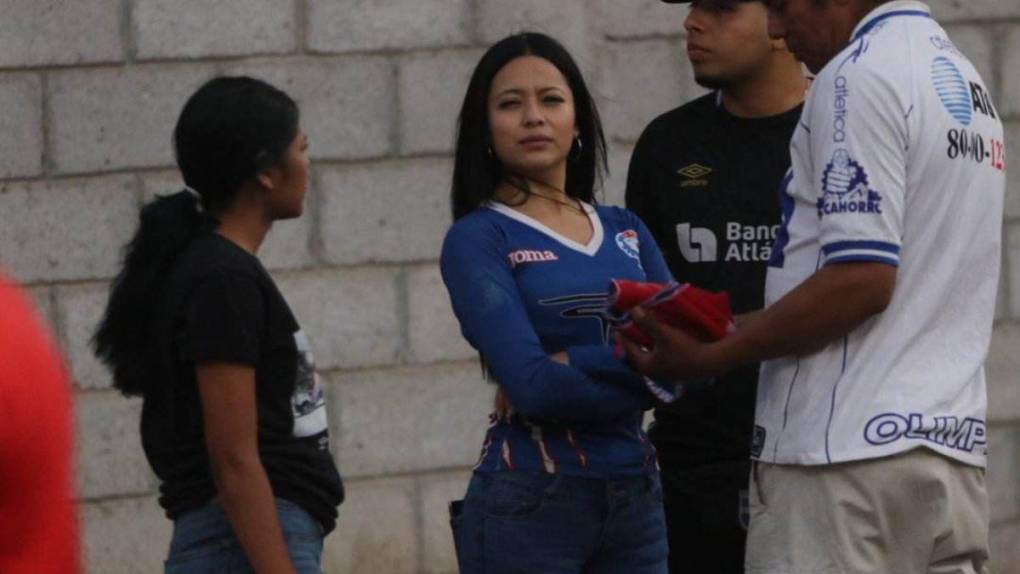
870	426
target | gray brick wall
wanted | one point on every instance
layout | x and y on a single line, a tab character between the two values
89	91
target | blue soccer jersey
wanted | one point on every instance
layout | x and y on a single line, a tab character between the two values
521	292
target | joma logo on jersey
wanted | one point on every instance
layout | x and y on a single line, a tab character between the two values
964	435
530	256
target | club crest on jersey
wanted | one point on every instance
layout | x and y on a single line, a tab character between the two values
530	256
845	188
627	241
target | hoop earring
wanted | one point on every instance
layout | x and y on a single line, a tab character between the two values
580	146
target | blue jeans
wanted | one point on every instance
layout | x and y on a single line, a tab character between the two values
204	543
528	522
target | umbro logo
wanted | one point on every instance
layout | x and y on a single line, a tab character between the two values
695	175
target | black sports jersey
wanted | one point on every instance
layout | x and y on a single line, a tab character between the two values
706	182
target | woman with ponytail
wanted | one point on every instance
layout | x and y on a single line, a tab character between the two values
233	419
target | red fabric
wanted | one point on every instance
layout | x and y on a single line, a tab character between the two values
38	526
699	313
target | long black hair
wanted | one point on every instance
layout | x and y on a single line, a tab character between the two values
229	131
476	172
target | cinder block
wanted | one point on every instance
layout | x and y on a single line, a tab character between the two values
350	315
432	87
21	132
401	420
80	308
67	229
348	105
102	119
356	25
194	28
643	79
125	536
377	529
615	186
1004	548
41	299
1011	257
1012	130
1002	297
54	32
1003	476
110	458
285	247
437	539
393	211
953	10
1009	101
565	20
433	330
975	41
640	18
1003	371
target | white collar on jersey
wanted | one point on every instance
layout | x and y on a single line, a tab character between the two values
596	224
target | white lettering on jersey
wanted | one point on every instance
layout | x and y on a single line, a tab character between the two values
697	244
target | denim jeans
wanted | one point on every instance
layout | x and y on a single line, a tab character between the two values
204	542
528	522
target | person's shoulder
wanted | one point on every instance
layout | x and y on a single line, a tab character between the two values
478	228
210	255
682	116
615	217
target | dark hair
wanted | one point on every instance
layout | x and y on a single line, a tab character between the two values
476	173
230	130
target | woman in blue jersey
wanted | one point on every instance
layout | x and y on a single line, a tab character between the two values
567	480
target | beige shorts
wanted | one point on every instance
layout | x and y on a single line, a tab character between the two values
914	513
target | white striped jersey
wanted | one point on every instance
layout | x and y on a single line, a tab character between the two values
899	160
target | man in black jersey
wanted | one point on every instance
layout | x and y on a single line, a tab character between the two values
704	177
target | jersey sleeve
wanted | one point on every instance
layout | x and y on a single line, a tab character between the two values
652	260
493	319
224	320
636	195
859	139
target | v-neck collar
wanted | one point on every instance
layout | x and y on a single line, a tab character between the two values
596	225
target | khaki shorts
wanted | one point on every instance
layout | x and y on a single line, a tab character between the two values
914	513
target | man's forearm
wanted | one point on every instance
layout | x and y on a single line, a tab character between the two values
828	305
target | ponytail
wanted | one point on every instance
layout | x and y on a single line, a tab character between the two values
166	227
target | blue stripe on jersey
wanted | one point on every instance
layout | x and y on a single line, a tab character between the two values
832	248
832	404
863	257
786	205
867	27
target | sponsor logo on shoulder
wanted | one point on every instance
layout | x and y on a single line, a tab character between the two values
966	435
695	175
962	100
845	188
627	241
530	256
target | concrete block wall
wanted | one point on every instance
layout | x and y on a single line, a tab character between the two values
89	91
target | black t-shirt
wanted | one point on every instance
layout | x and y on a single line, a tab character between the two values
220	305
706	184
